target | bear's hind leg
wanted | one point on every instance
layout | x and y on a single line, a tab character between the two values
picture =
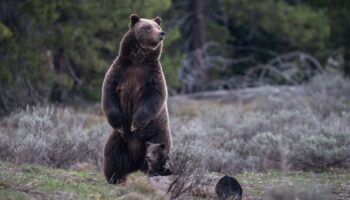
116	163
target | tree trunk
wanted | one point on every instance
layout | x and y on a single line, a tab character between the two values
347	61
199	26
194	73
58	64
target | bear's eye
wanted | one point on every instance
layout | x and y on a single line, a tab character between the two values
148	27
153	152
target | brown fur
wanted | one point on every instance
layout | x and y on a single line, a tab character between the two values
134	95
157	160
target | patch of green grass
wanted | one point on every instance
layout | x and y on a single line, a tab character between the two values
12	194
32	181
255	185
29	181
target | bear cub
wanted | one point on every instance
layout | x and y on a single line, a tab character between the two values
157	160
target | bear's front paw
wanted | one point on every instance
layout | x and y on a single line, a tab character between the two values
122	134
133	129
120	130
137	125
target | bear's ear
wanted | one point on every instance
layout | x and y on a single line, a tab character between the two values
133	19
162	146
148	144
158	20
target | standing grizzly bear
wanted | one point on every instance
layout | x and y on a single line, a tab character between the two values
134	95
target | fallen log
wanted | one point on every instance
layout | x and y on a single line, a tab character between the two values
206	188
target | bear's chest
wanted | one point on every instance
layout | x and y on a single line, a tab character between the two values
130	88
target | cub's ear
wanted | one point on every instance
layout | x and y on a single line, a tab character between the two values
162	146
148	144
133	19
158	20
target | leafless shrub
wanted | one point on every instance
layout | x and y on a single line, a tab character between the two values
291	68
188	170
197	63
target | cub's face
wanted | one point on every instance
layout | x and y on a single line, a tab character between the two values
157	159
155	153
147	32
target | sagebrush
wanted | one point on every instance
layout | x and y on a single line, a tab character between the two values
304	128
52	136
307	129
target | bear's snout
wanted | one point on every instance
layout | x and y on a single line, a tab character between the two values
162	35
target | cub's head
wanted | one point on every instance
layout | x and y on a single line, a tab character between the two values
157	159
147	31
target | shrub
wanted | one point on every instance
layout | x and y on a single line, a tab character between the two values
304	127
51	136
188	170
294	128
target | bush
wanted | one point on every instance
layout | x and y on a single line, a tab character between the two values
304	128
187	168
300	128
51	136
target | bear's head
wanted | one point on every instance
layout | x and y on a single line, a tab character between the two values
147	32
157	159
